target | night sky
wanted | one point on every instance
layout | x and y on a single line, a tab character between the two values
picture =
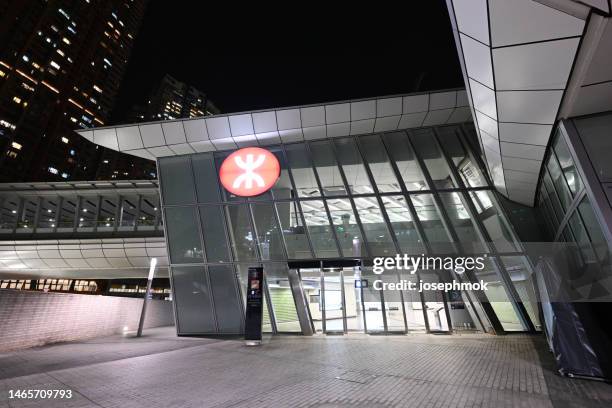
260	60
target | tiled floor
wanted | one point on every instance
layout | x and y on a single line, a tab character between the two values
160	370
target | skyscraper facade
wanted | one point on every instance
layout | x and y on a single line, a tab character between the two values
61	66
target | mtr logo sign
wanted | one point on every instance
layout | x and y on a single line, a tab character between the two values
249	172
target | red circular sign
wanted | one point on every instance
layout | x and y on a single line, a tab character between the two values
249	172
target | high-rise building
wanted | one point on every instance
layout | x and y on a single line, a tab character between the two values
173	99
61	66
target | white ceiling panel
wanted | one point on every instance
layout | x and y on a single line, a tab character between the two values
599	68
386	123
339	129
522	21
412	120
338	113
487	124
531	152
141	153
264	122
160	151
525	133
442	100
291	135
460	115
415	103
489	141
129	138
218	128
241	125
534	66
477	57
312	116
87	134
389	107
462	98
106	138
288	119
359	127
203	146
593	99
268	138
315	132
195	130
246	141
483	99
152	135
363	110
528	106
472	18
223	144
528	166
173	132
182	148
437	117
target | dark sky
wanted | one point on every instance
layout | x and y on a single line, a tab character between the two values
247	60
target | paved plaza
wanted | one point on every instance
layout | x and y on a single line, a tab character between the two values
161	370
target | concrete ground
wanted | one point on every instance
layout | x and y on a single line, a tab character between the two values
161	370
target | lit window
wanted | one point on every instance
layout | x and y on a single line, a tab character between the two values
65	140
53	170
54	65
63	13
105	161
2	74
108	62
65	175
72	152
35	65
25	58
60	52
16	145
97	88
72	30
16	99
65	40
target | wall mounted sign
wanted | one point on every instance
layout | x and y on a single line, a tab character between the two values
249	172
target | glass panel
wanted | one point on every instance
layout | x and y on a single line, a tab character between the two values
333	301
498	297
407	164
462	223
311	283
352	165
28	214
268	235
283	188
149	210
522	277
559	182
413	305
242	238
67	215
293	230
183	235
87	216
491	216
213	228
393	303
318	227
9	215
600	245
424	144
352	299
327	168
567	165
468	170
48	214
228	307
226	195
375	155
374	226
176	180
554	199
192	301
402	224
434	303
595	134
282	298
432	224
127	215
301	169
372	302
347	230
582	239
206	180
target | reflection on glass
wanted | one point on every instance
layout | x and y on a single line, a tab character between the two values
27	215
242	239
372	302
301	169
522	278
434	304
347	230
412	304
293	230
374	227
213	229
327	168
403	155
206	183
375	155
403	225
495	223
559	181
183	236
462	223
582	239
352	165
47	219
429	217
600	245
469	171
176	180
87	214
567	165
67	214
268	235
319	229
394	310
423	141
553	199
149	212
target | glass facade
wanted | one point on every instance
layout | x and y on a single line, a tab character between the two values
338	201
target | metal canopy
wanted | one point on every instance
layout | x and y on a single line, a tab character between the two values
284	125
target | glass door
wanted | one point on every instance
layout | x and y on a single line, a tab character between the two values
435	305
352	299
333	301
